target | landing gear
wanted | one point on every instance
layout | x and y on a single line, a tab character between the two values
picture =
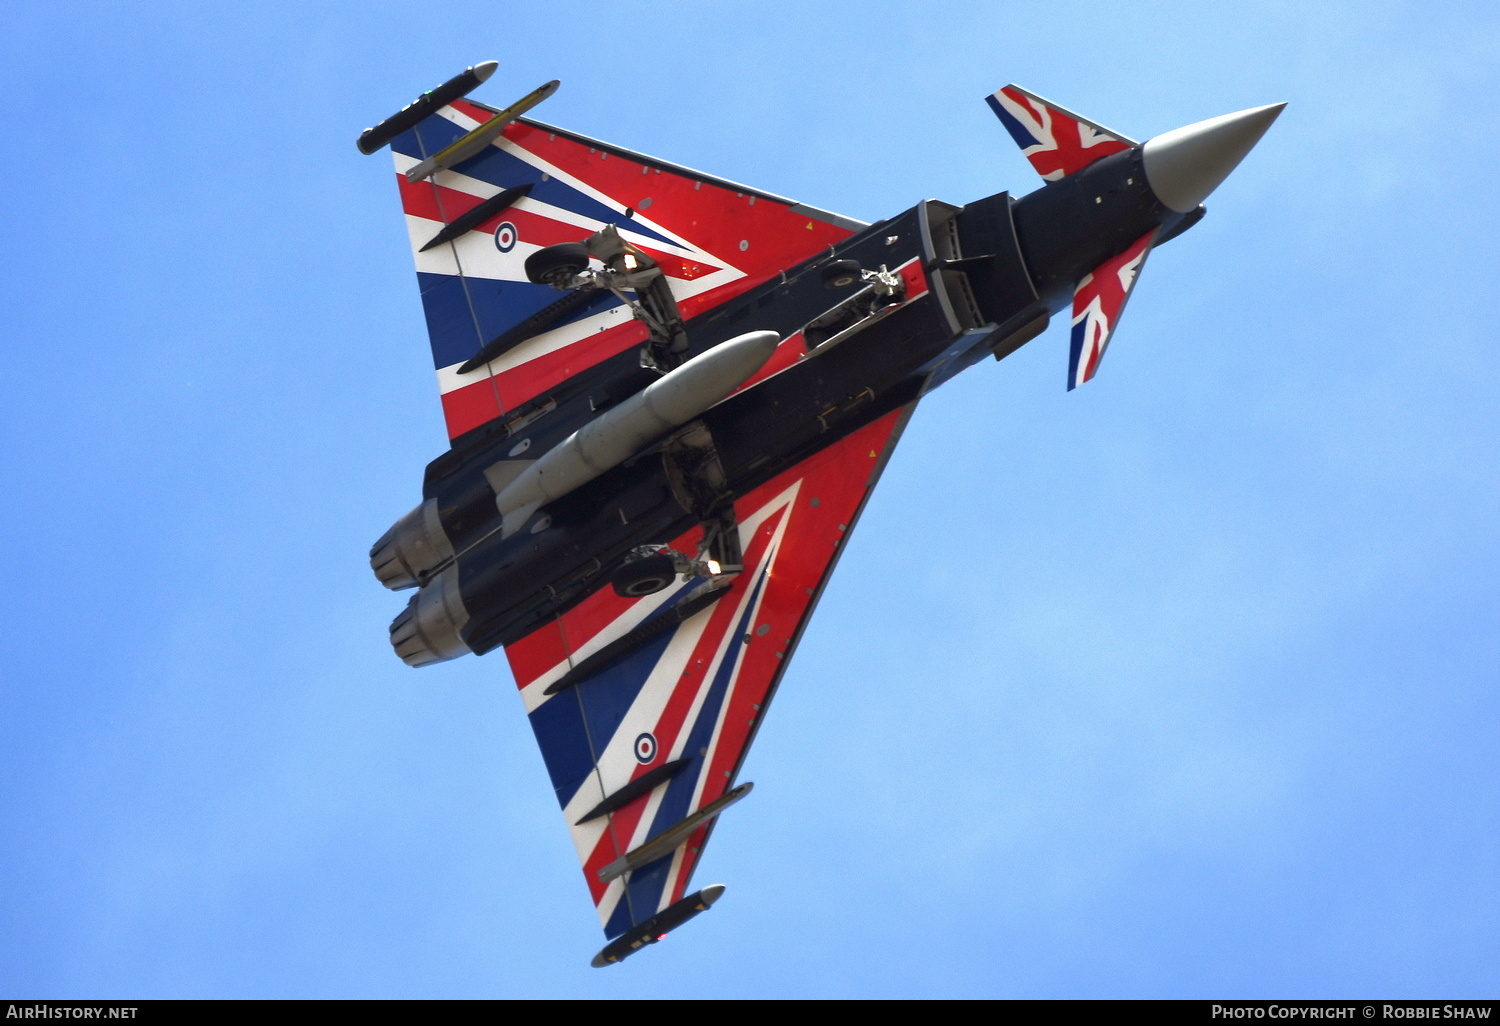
841	274
701	488
645	575
628	272
882	291
558	265
651	568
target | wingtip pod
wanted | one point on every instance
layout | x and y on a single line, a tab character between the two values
1186	164
657	927
372	139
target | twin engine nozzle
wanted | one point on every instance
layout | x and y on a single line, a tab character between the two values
417	552
412	549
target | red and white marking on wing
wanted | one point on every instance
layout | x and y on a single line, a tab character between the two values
629	828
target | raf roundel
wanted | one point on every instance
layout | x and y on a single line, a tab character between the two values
505	237
645	748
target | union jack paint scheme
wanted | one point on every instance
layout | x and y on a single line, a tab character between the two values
698	691
1098	302
1056	141
713	241
668	397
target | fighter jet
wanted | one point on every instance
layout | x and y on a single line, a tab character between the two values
669	397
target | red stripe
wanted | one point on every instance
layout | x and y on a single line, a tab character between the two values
466	408
689	862
716	219
535	377
672	720
837	478
786	355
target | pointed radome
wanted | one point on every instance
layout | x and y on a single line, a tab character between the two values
1186	164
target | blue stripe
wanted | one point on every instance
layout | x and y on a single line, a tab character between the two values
644	886
621	919
643	890
504	170
591	711
1018	132
1075	351
453	304
674	804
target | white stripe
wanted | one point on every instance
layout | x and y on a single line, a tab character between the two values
627	621
560	338
773	547
617	763
713	745
552	171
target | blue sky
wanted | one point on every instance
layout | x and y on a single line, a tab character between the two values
1182	684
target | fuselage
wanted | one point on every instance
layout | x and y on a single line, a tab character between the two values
980	280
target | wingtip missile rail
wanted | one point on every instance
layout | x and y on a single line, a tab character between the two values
465	82
657	927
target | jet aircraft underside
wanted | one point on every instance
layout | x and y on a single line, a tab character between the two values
669	397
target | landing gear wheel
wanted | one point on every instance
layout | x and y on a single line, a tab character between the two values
645	576
841	274
557	265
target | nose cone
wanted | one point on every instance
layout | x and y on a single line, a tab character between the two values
1186	164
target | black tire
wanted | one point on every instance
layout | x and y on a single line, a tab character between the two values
645	576
557	265
840	274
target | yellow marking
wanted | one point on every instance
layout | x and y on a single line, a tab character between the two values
468	145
